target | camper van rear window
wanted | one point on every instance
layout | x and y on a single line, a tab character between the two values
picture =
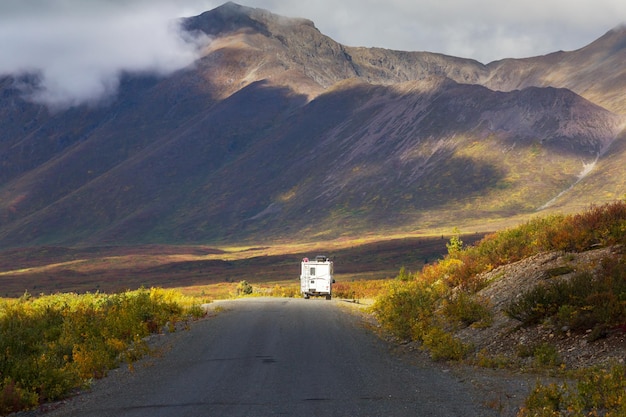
312	271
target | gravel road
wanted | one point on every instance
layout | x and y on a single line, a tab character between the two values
270	356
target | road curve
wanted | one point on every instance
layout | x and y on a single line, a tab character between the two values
271	357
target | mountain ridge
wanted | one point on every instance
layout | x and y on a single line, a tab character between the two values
279	132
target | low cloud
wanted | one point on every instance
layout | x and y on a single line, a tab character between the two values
77	49
484	30
73	52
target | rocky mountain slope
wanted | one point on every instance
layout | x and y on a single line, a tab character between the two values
279	132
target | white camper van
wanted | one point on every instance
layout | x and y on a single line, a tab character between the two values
316	277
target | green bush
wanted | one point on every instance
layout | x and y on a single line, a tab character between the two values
597	392
443	346
585	301
468	310
15	398
546	355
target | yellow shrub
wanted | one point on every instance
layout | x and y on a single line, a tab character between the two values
51	344
443	346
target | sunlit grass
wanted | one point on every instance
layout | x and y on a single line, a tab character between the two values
282	248
114	269
42	268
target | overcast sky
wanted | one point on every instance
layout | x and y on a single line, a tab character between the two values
79	47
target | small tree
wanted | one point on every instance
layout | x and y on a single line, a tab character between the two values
403	275
244	288
456	244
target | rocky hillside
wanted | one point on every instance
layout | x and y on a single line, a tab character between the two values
279	132
505	337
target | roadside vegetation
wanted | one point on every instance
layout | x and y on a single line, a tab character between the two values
52	345
428	306
594	392
354	290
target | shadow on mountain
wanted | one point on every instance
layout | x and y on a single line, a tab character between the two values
228	150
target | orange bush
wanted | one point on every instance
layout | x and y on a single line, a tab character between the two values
356	290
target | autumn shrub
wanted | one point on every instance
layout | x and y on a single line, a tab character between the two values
52	344
406	309
544	401
359	289
462	268
343	290
289	291
409	311
598	226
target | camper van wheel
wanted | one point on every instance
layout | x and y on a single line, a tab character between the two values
306	296
328	297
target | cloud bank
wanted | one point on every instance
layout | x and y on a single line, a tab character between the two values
485	30
77	50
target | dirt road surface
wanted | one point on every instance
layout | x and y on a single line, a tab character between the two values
278	357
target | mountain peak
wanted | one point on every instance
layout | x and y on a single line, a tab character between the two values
617	36
232	9
232	17
619	29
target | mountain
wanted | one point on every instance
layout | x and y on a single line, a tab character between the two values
595	71
279	132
